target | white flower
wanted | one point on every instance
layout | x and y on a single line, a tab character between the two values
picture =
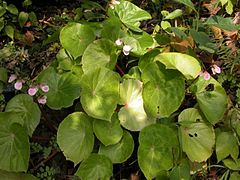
126	49
118	42
12	78
113	3
216	69
18	85
42	100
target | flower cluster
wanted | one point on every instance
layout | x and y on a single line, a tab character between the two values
126	48
215	70
32	90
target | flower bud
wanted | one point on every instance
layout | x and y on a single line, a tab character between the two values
126	49
118	42
42	100
32	90
18	85
44	87
12	78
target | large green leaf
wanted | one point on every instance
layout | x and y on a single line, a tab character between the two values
197	137
187	3
182	171
130	15
100	53
187	65
232	164
158	149
75	137
96	167
120	152
28	110
22	18
3	74
12	9
14	147
132	116
226	144
100	93
222	23
76	37
108	132
211	97
63	88
5	175
163	90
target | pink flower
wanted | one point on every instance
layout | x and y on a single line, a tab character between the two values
18	85
205	75
126	49
118	42
42	100
44	87
12	78
216	69
32	90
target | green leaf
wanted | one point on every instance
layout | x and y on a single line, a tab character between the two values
12	9
5	175
120	152
157	150
9	30
163	91
15	148
100	93
2	11
3	74
165	25
34	20
28	110
108	132
132	116
232	164
22	18
221	22
1	24
228	7
197	138
76	37
182	171
130	15
96	167
187	65
187	3
63	88
175	14
100	53
234	176
75	137
226	144
147	58
213	102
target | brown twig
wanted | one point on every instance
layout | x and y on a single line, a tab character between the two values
120	70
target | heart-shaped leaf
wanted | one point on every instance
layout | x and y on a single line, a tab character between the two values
76	37
158	149
12	9
197	137
211	97
75	137
22	18
95	167
2	11
14	147
100	93
120	152
100	53
28	110
63	88
132	116
163	90
130	15
187	65
226	144
108	132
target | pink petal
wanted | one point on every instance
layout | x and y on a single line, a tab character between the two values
32	90
206	76
18	85
217	69
42	100
12	78
44	87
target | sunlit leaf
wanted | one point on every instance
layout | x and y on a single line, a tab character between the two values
157	150
187	3
12	9
100	93
96	167
75	136
5	175
9	30
121	151
197	137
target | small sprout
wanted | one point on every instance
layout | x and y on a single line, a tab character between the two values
126	49
118	42
32	90
18	85
215	69
12	78
44	87
42	100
